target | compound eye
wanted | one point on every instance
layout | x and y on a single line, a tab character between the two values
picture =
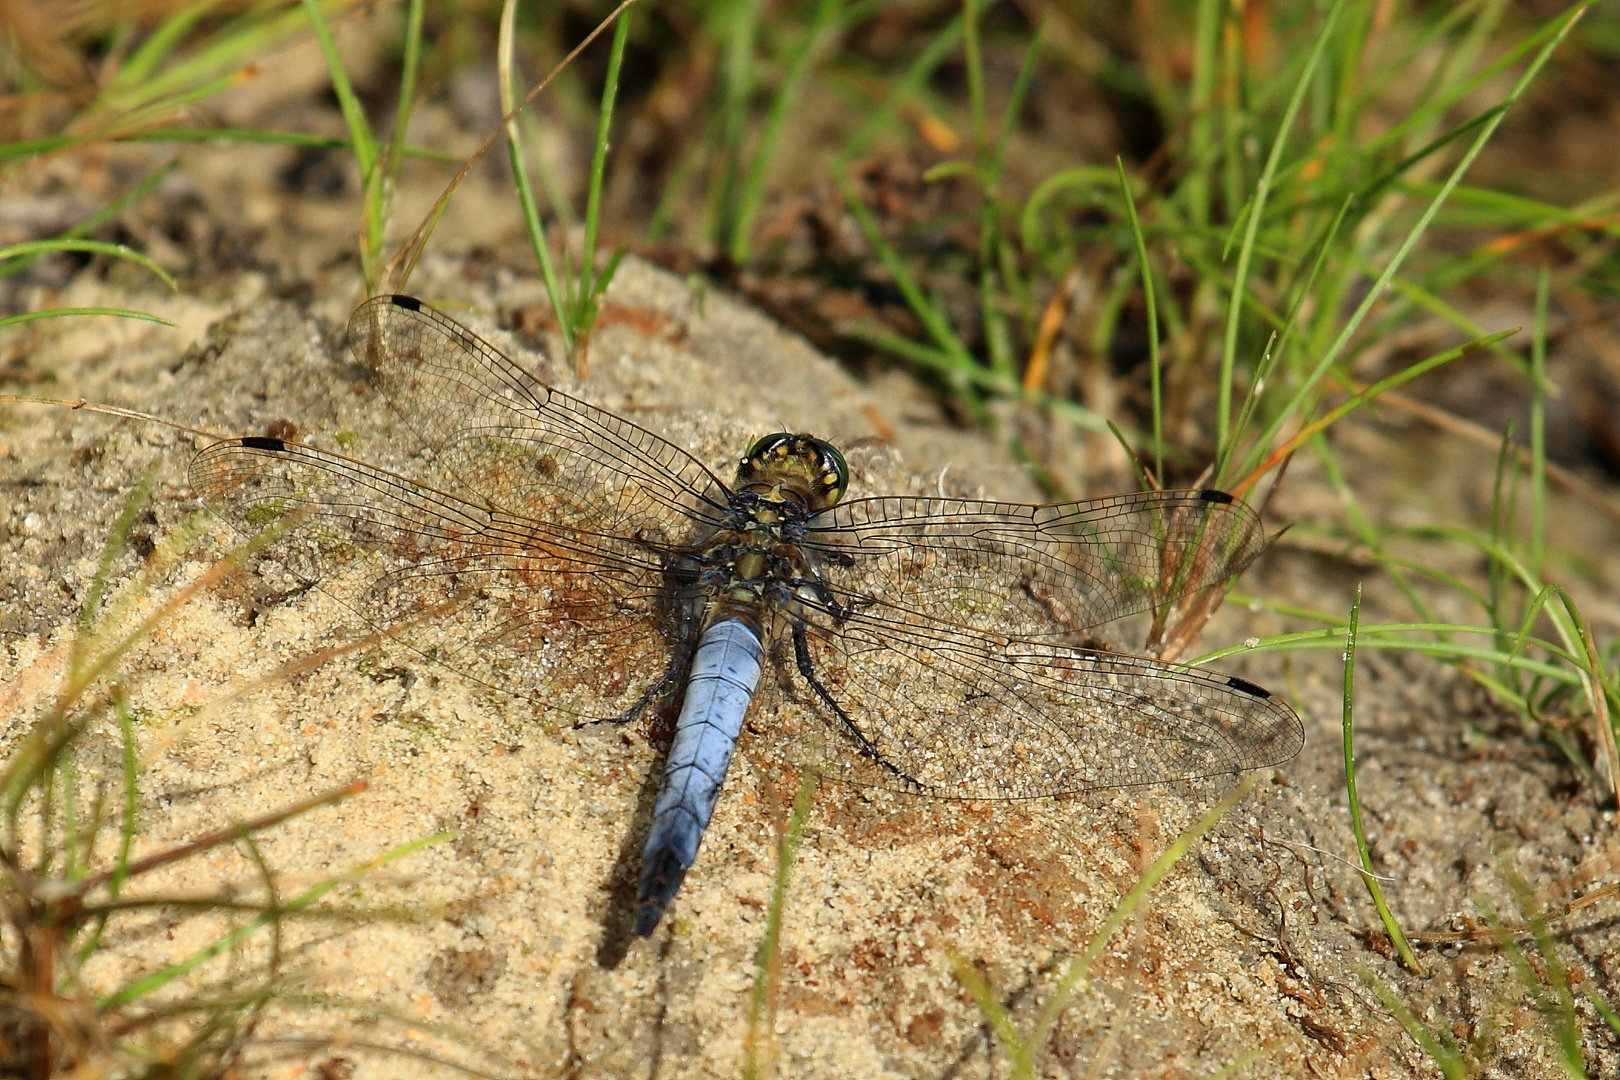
834	472
768	447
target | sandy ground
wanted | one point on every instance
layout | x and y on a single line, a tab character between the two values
506	945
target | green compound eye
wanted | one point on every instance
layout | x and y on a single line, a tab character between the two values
835	471
769	446
817	461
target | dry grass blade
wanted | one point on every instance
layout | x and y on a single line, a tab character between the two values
1484	933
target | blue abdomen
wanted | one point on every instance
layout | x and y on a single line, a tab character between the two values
725	672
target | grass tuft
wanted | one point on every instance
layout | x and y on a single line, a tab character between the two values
68	869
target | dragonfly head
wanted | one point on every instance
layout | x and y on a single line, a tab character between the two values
786	466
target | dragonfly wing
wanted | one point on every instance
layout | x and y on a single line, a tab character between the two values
1038	571
942	634
962	714
527	606
498	431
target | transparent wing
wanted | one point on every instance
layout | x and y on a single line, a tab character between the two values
961	715
500	434
524	604
945	633
537	559
1036	571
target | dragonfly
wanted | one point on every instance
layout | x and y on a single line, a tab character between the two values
941	646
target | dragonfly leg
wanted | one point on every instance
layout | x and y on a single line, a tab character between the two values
826	598
682	624
801	653
674	676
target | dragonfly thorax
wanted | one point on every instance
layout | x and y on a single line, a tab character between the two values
756	566
752	562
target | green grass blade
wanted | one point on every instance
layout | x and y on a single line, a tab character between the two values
768	959
1387	917
366	150
1077	971
1596	684
354	116
1559	1008
1309	385
382	182
1391	636
126	832
71	844
1015	105
34	248
997	337
996	1016
1195	189
1360	400
1423	299
1239	1063
1566	1041
737	82
1538	426
1259	380
1375	187
100	217
1605	1010
1436	105
127	824
753	185
691	161
928	314
973	63
116	539
1438	1044
225	57
168	108
58	313
1506	209
907	86
961	378
159	979
177	542
1504	490
407	87
1082	178
143	62
584	310
1152	320
520	173
29	764
1237	121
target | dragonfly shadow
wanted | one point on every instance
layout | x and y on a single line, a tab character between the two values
619	915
